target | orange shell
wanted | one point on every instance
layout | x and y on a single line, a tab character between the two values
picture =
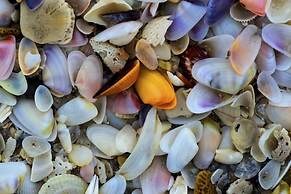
203	184
154	89
255	6
122	80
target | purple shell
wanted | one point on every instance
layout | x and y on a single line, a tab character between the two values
34	4
216	9
199	31
186	17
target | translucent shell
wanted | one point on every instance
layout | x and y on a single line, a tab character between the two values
7	58
257	7
154	89
43	98
279	11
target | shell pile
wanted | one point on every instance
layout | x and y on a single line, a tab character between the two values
145	96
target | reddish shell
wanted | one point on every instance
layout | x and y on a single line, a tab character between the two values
255	6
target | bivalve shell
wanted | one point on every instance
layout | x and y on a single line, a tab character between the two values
80	155
43	98
35	146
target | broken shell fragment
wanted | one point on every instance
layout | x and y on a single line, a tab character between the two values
43	98
66	183
80	155
105	7
64	137
40	25
35	146
93	187
29	58
126	139
146	54
34	4
117	184
240	186
163	95
179	46
269	174
42	166
179	186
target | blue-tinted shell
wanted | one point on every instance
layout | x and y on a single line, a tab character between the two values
34	4
216	10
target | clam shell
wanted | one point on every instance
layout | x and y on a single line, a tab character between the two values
80	155
104	138
16	84
84	26
35	146
179	46
269	174
163	51
146	54
79	6
228	114
75	60
266	59
6	98
126	139
117	184
228	81
104	7
78	39
11	176
33	121
64	183
86	111
239	13
42	166
278	11
32	22
244	49
93	187
29	58
43	98
8	48
101	107
6	9
257	7
227	26
64	137
268	87
279	115
227	156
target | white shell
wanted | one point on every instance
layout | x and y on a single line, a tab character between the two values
28	187
80	155
115	185
42	166
228	156
93	187
269	174
7	98
104	138
35	146
163	51
101	107
9	149
16	84
126	139
65	137
86	111
43	98
179	186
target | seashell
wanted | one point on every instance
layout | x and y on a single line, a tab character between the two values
284	172
54	133
216	10
182	150
115	121
100	171
227	156
248	43
61	166
228	81
240	14
275	143
105	7
189	173
181	107
28	187
228	114
31	120
35	146
125	139
6	10
115	58
211	45
247	168
55	73
211	99
87	172
2	143
268	87
11	176
227	25
282	188
117	184
80	155
179	186
34	4
283	62
163	96
257	7
64	183
138	162
277	12
226	142
6	98
282	78
75	60
203	183
269	174
206	151
199	31
43	98
179	46
64	137
84	27
42	166
93	187
187	15
266	60
146	54
79	6
279	115
256	152
78	39
16	84
243	134
156	178
32	22
163	51
154	32
7	60
5	112
114	35
86	111
104	138
89	77
123	16
278	37
9	149
100	104
29	58
175	80
240	186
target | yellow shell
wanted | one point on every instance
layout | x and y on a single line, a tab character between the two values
153	88
203	184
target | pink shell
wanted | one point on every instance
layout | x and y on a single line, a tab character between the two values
255	6
7	56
